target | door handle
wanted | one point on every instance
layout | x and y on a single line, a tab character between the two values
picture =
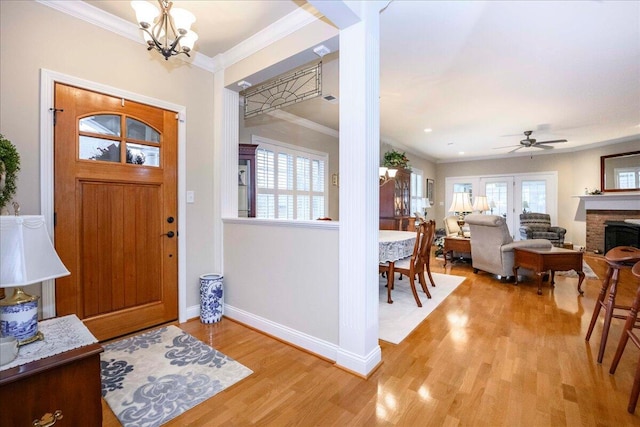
169	234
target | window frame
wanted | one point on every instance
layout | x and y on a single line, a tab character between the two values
295	151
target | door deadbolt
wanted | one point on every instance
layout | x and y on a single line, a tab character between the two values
170	220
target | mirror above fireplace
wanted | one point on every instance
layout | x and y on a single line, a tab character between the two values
620	172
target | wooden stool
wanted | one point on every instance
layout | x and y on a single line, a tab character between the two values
617	258
626	334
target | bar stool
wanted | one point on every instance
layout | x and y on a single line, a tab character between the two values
617	258
626	334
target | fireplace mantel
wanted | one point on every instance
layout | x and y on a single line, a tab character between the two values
611	201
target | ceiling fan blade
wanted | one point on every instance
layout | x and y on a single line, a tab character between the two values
552	142
544	147
506	146
516	149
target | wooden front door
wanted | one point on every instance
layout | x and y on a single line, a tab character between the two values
115	211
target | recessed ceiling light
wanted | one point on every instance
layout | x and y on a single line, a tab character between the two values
461	153
427	130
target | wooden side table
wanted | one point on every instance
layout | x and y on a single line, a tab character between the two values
457	244
54	381
67	383
542	260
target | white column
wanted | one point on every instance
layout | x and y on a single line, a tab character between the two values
225	161
359	191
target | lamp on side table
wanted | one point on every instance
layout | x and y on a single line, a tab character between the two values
27	256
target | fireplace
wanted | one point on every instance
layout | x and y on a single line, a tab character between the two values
600	209
621	233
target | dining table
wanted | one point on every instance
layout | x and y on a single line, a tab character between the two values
393	246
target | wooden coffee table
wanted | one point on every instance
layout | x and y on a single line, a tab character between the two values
457	244
552	259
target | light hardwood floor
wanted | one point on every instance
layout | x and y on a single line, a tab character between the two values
492	354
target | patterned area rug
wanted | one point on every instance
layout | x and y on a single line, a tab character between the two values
397	320
151	378
586	269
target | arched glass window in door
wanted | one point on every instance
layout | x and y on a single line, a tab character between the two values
101	139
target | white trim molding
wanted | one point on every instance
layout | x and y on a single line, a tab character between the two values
48	79
622	201
307	342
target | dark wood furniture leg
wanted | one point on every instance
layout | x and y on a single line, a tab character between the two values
627	334
600	302
390	275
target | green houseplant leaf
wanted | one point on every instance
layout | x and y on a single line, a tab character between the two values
9	167
395	159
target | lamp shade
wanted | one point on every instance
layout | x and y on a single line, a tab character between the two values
461	203
426	204
480	204
27	255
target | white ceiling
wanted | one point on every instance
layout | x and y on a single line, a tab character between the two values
477	73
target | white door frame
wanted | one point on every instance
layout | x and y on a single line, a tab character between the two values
513	215
48	79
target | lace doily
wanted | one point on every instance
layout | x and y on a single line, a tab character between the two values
60	334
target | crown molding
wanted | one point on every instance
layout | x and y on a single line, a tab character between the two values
285	26
297	120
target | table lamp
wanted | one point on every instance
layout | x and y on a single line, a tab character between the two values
27	256
481	204
426	204
461	204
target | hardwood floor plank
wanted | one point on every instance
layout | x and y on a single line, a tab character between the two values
492	354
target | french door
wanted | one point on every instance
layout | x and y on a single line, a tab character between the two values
115	206
511	195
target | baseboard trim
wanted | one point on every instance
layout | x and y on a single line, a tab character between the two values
305	342
323	349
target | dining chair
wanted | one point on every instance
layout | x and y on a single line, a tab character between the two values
627	334
413	266
430	240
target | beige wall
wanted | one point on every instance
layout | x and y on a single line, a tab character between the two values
576	170
427	167
286	273
34	36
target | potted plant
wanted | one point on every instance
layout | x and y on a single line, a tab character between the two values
9	167
395	159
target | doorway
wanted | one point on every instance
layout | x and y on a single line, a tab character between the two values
115	204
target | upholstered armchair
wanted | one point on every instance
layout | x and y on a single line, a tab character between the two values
538	226
492	245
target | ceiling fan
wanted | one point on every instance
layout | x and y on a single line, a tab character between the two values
529	142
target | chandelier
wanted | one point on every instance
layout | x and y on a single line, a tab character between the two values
166	30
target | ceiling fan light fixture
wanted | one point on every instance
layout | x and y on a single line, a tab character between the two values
166	30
